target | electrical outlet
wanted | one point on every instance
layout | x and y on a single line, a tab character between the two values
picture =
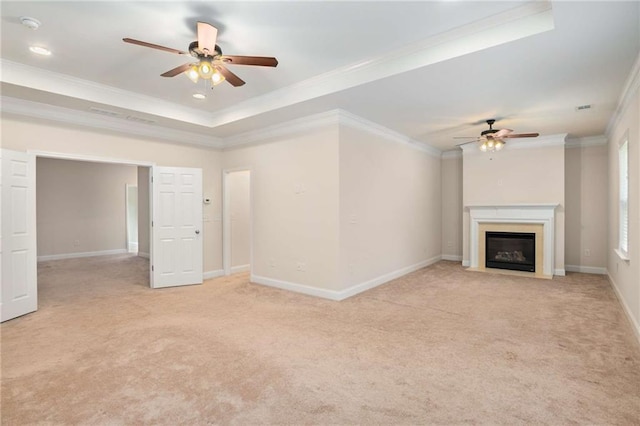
272	263
76	243
587	252
301	267
449	244
353	219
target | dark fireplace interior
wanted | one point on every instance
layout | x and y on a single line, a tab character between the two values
511	250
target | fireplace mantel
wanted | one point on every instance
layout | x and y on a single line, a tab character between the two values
512	214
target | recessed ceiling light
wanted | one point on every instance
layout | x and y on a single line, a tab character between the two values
30	22
199	96
40	50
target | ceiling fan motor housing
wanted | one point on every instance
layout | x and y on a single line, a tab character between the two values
195	51
491	130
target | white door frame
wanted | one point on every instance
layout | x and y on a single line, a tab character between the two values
130	245
226	218
98	159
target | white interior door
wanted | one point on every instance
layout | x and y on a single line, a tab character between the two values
19	293
176	253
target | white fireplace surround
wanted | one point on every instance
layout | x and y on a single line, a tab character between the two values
518	213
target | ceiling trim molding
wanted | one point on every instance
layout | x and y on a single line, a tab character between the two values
630	88
357	122
66	85
539	142
586	142
523	21
120	125
286	129
456	153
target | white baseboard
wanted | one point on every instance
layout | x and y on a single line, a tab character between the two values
132	247
143	254
213	274
634	322
82	254
348	292
586	269
240	268
368	285
298	288
466	263
452	257
559	272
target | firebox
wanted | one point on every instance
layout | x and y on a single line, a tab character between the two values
511	250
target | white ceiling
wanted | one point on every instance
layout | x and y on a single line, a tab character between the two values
428	70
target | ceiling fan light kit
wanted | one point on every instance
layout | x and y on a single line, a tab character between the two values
492	140
211	63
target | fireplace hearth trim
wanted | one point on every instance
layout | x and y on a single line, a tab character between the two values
514	214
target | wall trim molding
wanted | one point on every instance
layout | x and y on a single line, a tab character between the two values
288	128
382	279
586	142
466	263
635	326
559	272
452	257
599	270
81	254
295	287
348	292
212	274
454	153
348	119
95	121
630	88
240	268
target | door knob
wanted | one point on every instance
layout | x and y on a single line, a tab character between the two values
197	231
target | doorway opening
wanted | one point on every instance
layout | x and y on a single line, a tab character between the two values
92	221
237	252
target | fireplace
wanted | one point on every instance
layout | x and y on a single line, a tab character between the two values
510	250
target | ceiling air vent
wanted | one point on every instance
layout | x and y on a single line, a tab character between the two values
104	112
584	107
139	119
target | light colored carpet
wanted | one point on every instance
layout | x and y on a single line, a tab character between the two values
439	346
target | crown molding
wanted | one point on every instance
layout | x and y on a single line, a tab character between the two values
523	21
66	85
539	142
288	128
586	142
454	153
324	119
357	122
630	89
87	119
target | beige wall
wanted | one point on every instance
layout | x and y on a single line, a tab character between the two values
586	189
452	207
295	207
239	197
625	274
390	214
81	206
23	135
516	176
143	211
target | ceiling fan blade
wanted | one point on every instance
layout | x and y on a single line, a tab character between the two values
262	61
522	135
229	76
153	46
207	35
501	133
176	70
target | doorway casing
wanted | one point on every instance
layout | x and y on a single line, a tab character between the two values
226	218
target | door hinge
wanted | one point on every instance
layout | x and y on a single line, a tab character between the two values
151	223
151	179
152	268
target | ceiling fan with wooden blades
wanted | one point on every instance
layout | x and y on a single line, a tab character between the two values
211	63
494	139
